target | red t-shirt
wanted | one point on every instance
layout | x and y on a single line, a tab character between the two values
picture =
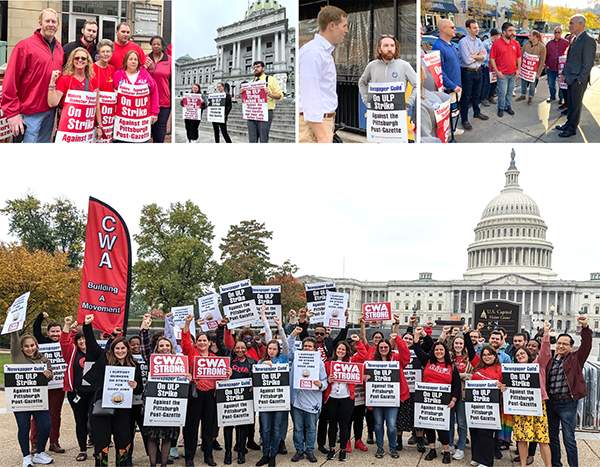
103	78
506	54
438	373
121	50
68	82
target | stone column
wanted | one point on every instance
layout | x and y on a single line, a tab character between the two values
283	47
276	48
460	301
259	49
531	301
253	49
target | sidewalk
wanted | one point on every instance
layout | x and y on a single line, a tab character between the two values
535	123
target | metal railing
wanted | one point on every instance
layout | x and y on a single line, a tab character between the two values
588	410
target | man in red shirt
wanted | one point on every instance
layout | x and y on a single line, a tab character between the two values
25	87
124	44
505	60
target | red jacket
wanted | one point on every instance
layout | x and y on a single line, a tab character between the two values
189	349
359	357
161	72
143	78
30	67
488	372
69	351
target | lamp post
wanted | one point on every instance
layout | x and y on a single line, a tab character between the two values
552	309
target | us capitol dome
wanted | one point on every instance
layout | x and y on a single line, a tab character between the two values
511	236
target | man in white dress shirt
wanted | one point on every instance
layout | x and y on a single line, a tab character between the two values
318	77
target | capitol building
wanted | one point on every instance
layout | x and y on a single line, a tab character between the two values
509	259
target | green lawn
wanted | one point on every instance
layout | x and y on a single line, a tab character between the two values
4	358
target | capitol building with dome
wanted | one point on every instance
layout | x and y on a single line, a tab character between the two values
510	259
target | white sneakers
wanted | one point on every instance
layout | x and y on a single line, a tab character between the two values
41	458
475	464
27	462
458	454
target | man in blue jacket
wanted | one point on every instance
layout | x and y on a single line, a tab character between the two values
449	56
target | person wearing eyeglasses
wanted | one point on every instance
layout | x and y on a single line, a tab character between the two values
555	48
259	130
505	60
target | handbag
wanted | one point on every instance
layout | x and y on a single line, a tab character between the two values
99	410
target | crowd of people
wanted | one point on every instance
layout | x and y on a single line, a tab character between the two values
40	73
478	73
322	418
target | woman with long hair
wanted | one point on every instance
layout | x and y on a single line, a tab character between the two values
440	370
114	423
222	127
77	75
160	70
80	397
191	126
25	350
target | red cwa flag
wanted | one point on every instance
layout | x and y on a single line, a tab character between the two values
106	276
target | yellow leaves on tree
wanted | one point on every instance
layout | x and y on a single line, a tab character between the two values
53	284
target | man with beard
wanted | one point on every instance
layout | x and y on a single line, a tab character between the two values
27	78
257	129
89	33
388	68
505	60
124	44
519	341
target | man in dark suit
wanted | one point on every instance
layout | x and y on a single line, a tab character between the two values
580	60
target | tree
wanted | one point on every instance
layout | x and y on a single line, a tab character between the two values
292	290
520	9
245	254
175	263
57	227
53	283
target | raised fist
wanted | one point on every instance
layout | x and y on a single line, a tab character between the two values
89	319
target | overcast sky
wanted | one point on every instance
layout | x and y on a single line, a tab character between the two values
388	213
196	22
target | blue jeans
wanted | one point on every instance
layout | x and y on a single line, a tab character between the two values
552	77
259	130
159	129
504	91
39	127
388	414
42	423
562	414
531	86
272	425
305	430
458	416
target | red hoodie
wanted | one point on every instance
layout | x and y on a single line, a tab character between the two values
25	87
359	357
161	72
143	78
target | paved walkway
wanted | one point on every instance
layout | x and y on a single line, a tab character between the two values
535	123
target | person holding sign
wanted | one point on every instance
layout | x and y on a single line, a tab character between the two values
202	405
338	398
107	423
73	348
25	350
191	126
534	59
259	130
440	370
566	385
221	127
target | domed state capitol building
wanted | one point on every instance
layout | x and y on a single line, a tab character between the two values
510	260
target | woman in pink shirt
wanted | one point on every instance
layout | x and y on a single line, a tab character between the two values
160	69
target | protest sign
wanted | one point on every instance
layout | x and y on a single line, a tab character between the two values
386	113
165	403
380	311
482	404
346	372
271	387
59	366
139	359
179	314
117	393
315	300
15	315
108	107
493	77
254	101
216	107
238	304
359	394
168	365
336	304
442	119
270	297
523	395
25	387
87	366
5	132
192	107
235	405
306	369
562	84
132	120
211	367
413	371
77	118
431	406
209	312
433	63
382	383
106	276
529	67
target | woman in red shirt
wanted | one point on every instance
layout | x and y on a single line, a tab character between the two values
103	70
160	70
439	369
483	441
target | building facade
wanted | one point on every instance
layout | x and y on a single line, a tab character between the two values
509	259
488	13
148	18
263	34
